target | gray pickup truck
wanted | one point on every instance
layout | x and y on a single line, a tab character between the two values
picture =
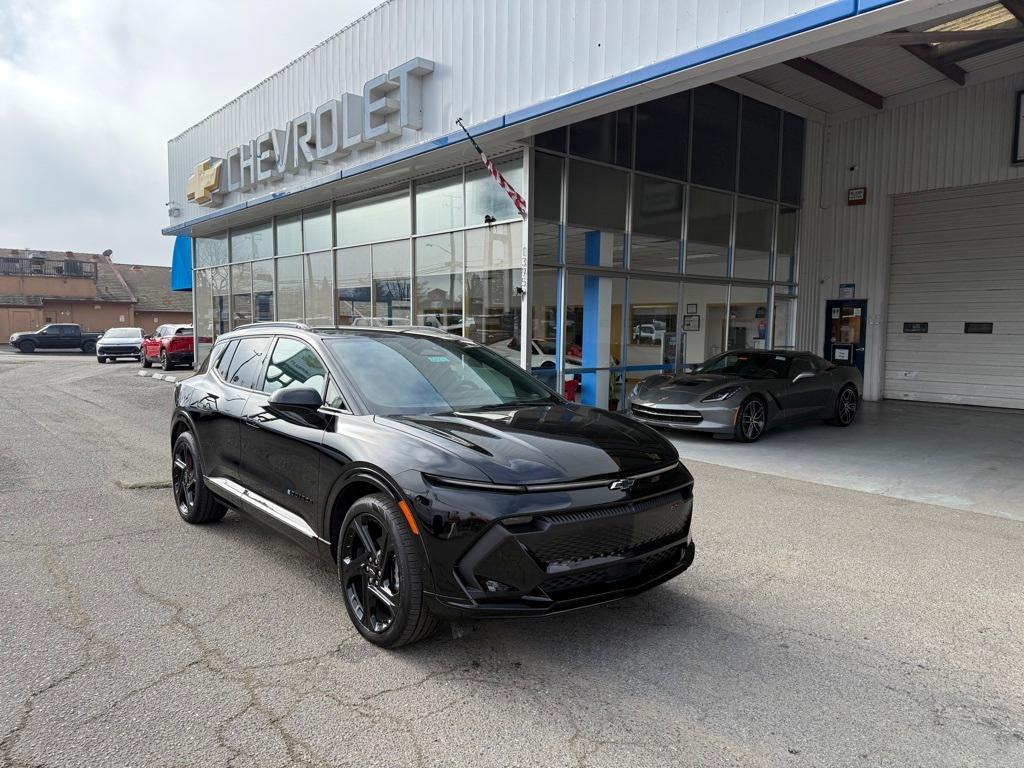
55	336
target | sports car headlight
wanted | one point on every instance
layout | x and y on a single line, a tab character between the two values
722	394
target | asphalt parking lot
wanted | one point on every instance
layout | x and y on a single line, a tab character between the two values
819	626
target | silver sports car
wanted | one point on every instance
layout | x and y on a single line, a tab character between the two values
745	393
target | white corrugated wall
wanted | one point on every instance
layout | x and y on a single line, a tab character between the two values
956	139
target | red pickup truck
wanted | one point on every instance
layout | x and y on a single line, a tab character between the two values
170	345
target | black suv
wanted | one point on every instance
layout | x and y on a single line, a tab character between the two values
438	478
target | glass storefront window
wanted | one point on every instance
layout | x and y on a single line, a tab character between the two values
316	229
354	285
759	149
221	287
715	118
249	243
597	196
203	313
547	187
440	263
263	290
791	183
707	233
663	135
651	324
657	207
653	254
391	294
785	245
593	247
241	294
704	331
289	234
748	318
546	240
375	219
485	198
211	251
440	204
318	289
493	261
289	288
754	222
784	324
554	140
607	138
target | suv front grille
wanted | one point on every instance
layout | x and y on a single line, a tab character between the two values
671	417
644	565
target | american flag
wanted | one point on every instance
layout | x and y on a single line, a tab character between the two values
515	197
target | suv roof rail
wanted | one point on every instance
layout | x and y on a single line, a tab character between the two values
272	324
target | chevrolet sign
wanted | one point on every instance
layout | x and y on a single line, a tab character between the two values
390	102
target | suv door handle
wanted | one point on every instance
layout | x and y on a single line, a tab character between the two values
252	422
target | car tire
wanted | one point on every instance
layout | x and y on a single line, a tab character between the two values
164	362
751	420
89	347
28	347
379	562
195	503
144	361
847	402
101	360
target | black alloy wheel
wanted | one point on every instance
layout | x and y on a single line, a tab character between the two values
751	421
195	503
89	347
846	406
381	575
27	347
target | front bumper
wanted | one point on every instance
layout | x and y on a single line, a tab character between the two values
118	350
717	418
549	563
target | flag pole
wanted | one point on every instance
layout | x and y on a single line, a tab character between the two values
518	200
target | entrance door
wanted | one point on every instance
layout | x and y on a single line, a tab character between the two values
846	330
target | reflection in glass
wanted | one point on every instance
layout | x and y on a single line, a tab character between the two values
391	292
211	251
657	207
203	313
485	198
318	289
703	333
547	187
439	268
651	325
759	150
354	285
493	260
663	135
785	245
653	254
715	116
255	242
754	220
377	218
594	247
289	234
543	328
316	229
263	290
241	294
784	324
220	286
748	318
289	288
597	196
707	233
440	204
546	240
606	138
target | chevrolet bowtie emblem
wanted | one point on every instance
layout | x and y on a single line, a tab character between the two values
203	186
621	485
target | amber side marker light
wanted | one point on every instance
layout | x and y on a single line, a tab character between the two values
404	506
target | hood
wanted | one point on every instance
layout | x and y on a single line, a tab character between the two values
684	388
542	443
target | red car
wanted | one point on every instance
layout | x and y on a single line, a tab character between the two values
170	345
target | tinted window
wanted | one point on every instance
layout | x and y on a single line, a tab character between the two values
707	240
547	187
747	365
551	140
663	135
791	186
657	207
294	364
597	196
606	137
223	358
333	398
247	362
800	365
412	374
715	116
759	150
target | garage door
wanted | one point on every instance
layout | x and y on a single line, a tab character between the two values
955	331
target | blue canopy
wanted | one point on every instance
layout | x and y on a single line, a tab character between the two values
181	264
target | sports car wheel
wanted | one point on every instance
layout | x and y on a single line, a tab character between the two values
195	502
381	574
846	406
751	421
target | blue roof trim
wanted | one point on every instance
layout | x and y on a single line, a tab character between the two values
793	25
181	264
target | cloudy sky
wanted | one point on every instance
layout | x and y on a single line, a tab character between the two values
91	90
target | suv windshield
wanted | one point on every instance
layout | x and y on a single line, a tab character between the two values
400	374
123	333
747	365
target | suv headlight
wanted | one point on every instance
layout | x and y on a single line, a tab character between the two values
722	394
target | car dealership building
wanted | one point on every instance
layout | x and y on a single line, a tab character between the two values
841	176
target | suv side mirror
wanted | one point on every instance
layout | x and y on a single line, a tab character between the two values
803	375
297	400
